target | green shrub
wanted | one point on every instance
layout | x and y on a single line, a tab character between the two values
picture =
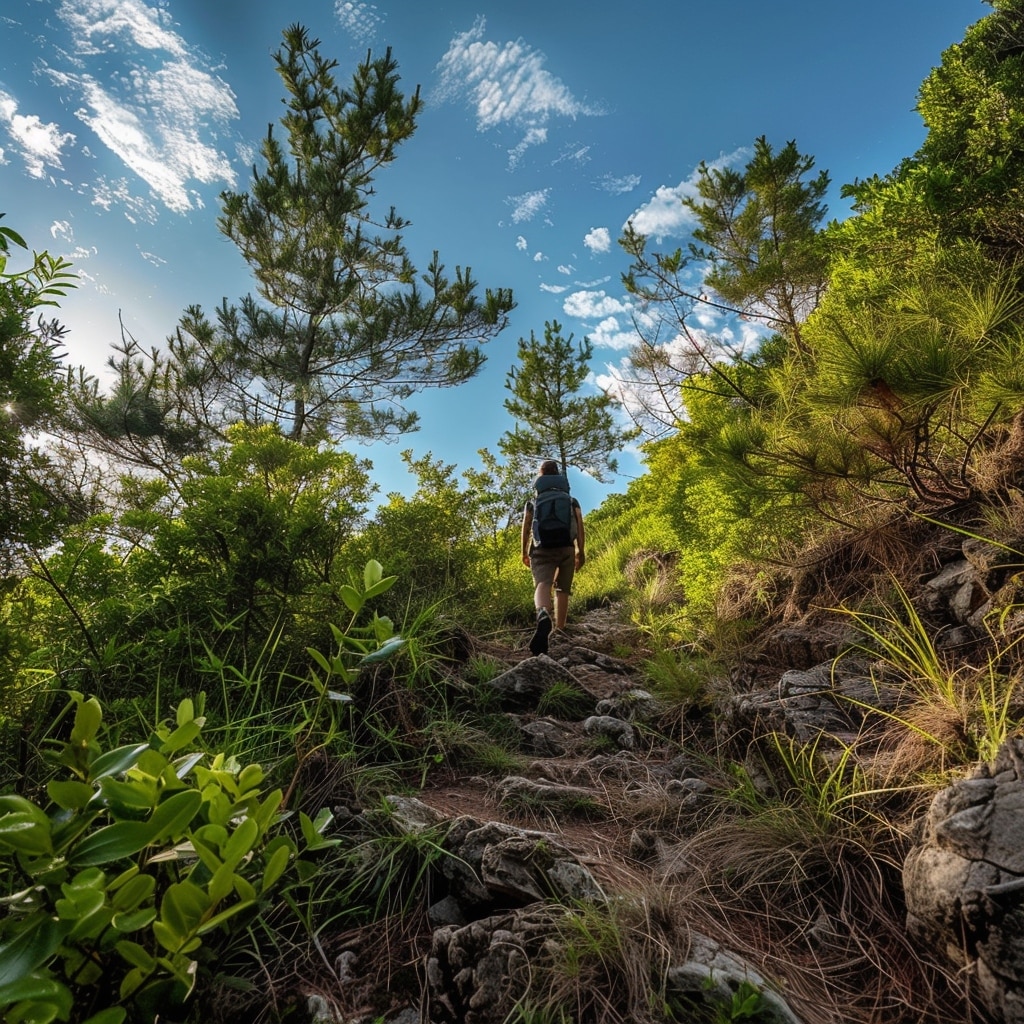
145	856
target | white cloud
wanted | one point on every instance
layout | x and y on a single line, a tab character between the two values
62	229
521	243
148	97
609	333
575	155
539	257
598	240
618	186
527	205
361	21
116	23
554	289
507	85
39	144
588	305
663	215
565	268
107	194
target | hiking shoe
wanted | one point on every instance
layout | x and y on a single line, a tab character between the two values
539	642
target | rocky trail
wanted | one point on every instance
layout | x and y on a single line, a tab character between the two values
568	881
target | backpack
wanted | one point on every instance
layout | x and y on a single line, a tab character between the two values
554	520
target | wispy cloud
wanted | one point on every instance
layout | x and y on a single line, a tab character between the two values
598	240
663	215
40	145
507	85
159	109
618	186
361	21
526	206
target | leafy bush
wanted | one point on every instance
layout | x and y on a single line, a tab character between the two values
144	858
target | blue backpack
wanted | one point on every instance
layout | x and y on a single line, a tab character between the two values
554	521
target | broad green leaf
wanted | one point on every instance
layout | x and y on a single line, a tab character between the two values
277	864
372	573
182	908
385	651
129	799
167	937
122	839
31	948
118	760
111	1015
71	795
175	814
41	990
185	764
352	598
88	718
244	888
379	587
23	834
133	893
242	841
134	954
181	737
186	711
133	921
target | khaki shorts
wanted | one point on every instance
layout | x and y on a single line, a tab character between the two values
553	566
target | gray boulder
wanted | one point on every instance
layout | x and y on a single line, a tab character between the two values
964	881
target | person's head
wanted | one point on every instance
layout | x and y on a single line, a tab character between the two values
548	467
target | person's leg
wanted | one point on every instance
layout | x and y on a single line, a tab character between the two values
561	608
564	576
543	569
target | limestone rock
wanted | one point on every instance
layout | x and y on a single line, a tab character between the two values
964	881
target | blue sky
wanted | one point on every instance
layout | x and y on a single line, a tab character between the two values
547	126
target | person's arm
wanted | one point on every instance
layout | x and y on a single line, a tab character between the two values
526	539
581	538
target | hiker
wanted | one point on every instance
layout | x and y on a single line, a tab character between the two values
553	549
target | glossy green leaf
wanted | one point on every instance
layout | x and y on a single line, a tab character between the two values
70	794
378	588
277	864
128	799
135	892
30	948
112	842
118	760
88	718
41	990
175	814
134	954
242	841
134	920
182	907
183	765
373	572
385	651
183	736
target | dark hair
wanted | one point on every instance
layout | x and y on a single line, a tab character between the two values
548	466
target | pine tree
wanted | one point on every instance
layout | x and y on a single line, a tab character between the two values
552	418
